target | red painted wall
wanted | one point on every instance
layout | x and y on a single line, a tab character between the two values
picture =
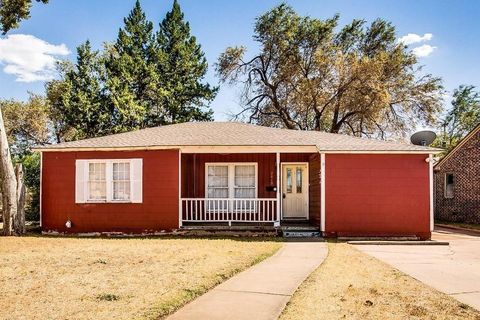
377	195
314	196
159	210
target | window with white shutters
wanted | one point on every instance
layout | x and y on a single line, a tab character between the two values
109	180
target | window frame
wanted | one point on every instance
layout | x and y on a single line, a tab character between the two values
108	182
231	177
445	180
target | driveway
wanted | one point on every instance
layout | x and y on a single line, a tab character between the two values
262	291
453	269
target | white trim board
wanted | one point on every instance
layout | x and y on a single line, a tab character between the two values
239	149
322	192
278	162
180	223
430	178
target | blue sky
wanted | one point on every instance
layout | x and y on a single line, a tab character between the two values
451	28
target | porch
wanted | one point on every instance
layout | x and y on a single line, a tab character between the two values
249	190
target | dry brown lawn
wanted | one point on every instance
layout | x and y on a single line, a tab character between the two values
79	278
352	285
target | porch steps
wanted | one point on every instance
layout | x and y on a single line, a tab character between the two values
300	232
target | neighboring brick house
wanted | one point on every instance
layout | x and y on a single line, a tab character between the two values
457	182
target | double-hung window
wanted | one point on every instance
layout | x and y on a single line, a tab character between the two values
245	181
217	181
231	181
121	181
97	181
449	185
108	180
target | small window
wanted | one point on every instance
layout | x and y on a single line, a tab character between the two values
299	178
245	181
289	180
121	181
449	185
217	182
97	181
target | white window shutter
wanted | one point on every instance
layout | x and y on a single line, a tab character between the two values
81	171
136	166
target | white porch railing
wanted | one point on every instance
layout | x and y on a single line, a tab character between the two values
229	210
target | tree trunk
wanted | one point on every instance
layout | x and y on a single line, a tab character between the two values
19	222
9	183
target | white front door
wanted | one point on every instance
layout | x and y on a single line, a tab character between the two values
295	190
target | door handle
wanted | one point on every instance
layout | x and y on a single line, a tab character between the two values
283	195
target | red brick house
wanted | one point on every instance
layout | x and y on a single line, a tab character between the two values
457	182
196	174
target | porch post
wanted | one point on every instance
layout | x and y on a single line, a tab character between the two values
279	199
179	188
322	192
430	178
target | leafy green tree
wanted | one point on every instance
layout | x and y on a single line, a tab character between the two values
131	77
26	123
13	11
311	75
83	102
31	168
461	118
181	66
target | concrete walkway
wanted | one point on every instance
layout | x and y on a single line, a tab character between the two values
262	291
454	269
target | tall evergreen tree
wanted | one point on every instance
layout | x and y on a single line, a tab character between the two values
131	75
12	12
83	101
182	67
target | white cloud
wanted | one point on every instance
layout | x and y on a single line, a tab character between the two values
29	58
415	38
423	51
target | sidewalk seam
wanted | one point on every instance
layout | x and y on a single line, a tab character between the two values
257	292
465	292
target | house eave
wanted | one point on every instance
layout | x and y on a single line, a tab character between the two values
239	149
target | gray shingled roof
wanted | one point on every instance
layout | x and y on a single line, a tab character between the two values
233	134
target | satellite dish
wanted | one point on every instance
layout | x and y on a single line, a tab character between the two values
423	138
